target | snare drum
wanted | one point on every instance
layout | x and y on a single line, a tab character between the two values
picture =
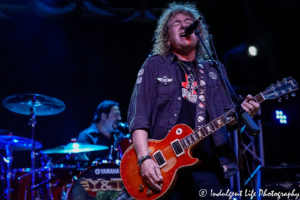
121	145
99	182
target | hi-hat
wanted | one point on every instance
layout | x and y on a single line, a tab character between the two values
17	143
42	105
75	147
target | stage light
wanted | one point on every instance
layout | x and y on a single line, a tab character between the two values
281	117
234	198
252	51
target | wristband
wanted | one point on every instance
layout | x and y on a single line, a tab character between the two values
143	158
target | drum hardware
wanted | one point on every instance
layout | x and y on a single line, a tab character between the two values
48	166
122	144
110	157
13	143
32	105
48	188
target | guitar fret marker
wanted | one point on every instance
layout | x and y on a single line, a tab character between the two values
219	122
208	128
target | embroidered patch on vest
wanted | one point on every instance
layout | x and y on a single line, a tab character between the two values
200	65
139	80
213	75
141	72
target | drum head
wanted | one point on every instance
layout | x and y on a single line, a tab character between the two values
101	182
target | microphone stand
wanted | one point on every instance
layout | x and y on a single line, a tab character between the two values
241	116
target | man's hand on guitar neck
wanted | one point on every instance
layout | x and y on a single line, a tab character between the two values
149	169
251	107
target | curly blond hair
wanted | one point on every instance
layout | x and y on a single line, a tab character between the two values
161	45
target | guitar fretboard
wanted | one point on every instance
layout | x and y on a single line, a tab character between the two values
214	125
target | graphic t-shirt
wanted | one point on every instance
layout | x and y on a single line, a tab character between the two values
189	88
193	95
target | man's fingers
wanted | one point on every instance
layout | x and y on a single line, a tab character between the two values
255	105
249	96
153	176
153	185
158	173
245	108
248	106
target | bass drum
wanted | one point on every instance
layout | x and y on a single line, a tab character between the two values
100	182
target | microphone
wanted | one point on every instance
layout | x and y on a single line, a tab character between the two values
191	28
123	127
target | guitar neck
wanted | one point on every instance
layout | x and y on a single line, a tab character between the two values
214	125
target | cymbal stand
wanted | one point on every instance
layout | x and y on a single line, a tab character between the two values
9	160
32	123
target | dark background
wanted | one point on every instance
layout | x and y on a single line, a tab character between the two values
83	58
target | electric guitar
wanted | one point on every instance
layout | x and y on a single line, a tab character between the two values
174	152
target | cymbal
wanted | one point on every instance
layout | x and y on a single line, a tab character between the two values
17	143
43	105
75	147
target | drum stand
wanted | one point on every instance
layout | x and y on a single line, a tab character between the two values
9	160
32	123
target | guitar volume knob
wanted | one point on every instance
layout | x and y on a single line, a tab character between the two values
280	100
149	192
141	188
293	94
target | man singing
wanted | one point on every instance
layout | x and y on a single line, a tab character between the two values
102	131
179	85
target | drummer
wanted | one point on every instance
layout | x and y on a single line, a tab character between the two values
103	131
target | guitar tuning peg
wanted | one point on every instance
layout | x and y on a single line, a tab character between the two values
280	100
286	97
293	94
284	79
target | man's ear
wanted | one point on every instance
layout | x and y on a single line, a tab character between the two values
103	116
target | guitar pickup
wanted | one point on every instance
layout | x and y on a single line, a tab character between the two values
177	148
159	158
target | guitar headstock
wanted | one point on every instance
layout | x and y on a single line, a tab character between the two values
285	87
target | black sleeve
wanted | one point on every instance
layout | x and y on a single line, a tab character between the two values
140	107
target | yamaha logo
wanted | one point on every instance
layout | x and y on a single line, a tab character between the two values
97	171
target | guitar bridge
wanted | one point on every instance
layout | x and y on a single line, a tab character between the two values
177	148
159	158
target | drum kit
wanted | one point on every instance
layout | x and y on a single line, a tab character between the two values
56	181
